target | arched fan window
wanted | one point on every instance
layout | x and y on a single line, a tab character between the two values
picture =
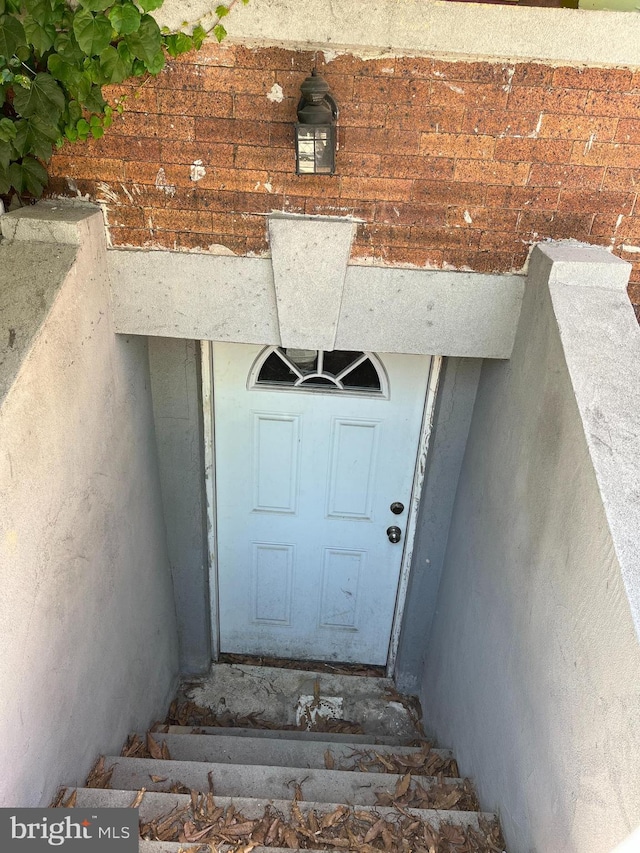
319	370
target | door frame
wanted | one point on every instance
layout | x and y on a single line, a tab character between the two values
208	416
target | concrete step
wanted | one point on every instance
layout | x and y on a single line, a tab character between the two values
233	780
290	734
155	805
274	693
278	752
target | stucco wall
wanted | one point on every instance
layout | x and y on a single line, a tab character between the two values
533	667
87	624
452	418
175	384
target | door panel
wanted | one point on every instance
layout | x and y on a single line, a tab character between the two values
304	482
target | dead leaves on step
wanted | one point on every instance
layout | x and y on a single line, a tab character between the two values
136	747
345	828
425	762
190	714
98	776
439	794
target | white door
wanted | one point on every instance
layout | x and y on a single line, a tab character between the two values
312	449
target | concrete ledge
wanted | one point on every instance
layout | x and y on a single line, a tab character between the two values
51	222
213	297
401	27
601	342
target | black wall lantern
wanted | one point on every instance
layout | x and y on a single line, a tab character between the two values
316	128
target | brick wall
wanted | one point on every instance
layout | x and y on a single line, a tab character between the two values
459	165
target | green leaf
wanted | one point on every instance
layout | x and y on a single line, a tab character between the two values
94	101
11	35
198	35
92	32
41	137
116	63
83	127
5	182
34	176
40	33
96	5
5	154
7	130
19	144
150	5
97	131
45	98
146	44
66	45
219	32
178	43
221	11
125	18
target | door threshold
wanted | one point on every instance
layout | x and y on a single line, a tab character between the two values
362	670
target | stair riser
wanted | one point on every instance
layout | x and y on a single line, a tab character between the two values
290	734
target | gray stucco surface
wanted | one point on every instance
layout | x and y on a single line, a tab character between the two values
87	623
220	298
533	664
175	384
454	408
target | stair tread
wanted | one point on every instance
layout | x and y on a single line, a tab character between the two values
291	734
183	847
259	780
281	752
155	803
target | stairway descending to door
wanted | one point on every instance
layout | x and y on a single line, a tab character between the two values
361	778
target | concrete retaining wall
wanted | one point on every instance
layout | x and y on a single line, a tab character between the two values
87	623
533	667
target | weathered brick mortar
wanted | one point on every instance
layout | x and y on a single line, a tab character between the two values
459	165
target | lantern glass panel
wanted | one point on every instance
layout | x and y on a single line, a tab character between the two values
315	149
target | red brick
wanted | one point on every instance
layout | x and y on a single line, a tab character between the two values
211	53
486	262
411	214
384	235
634	293
577	127
482	218
555	225
182	220
596	201
469	146
208	104
628	131
132	237
347	63
614	104
255	157
118	216
363	115
239	224
281	135
447	192
382	89
608	79
606	154
518	198
532	74
413	67
424	257
357	164
424	168
98	168
528	100
497	241
236	80
230	130
381	141
141	124
383	189
471	95
340	207
180	76
341	85
185	240
258	108
575	177
606	225
500	122
623	180
425	117
628	228
445	238
188	153
274	58
311	186
476	171
122	147
497	73
534	150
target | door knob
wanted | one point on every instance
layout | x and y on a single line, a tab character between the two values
394	533
397	508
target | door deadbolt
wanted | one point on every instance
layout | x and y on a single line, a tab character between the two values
394	533
396	508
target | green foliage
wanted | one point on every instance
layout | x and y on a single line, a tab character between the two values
55	57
